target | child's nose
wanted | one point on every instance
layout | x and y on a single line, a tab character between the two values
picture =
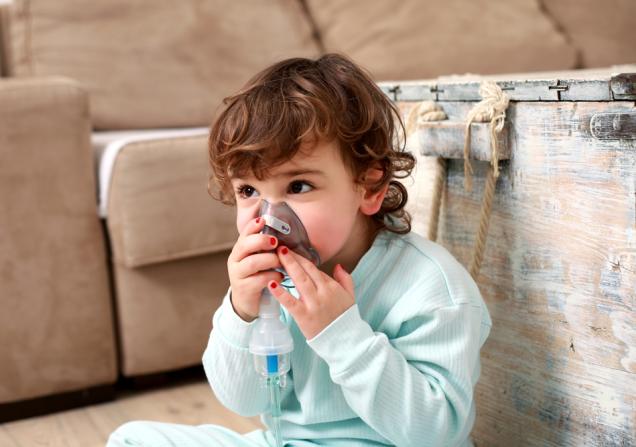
272	201
257	207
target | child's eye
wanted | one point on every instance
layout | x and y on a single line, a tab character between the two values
246	191
299	187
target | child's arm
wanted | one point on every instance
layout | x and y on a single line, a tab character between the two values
229	366
415	389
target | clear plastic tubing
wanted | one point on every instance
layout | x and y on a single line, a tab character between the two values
273	384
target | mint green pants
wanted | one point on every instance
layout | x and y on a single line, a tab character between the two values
161	434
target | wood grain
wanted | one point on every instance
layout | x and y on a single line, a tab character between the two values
559	276
90	426
439	138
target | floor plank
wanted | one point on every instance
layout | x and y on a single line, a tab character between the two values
191	403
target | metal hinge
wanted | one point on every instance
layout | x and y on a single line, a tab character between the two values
614	126
559	87
395	91
623	86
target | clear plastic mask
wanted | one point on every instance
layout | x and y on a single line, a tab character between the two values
284	224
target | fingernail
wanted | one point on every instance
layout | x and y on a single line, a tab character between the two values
284	250
258	220
272	240
273	284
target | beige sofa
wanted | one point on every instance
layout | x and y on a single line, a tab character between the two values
152	228
103	173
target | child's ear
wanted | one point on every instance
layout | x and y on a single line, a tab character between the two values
372	200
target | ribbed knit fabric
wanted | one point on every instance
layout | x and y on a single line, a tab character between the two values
397	368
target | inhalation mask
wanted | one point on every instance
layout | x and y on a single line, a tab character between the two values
284	224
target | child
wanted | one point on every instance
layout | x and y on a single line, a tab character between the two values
387	354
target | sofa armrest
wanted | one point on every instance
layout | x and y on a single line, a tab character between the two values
156	202
56	322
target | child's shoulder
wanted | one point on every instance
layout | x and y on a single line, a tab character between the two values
419	250
425	262
416	242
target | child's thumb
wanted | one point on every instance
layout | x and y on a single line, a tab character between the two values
344	279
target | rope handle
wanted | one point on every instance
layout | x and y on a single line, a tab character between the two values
492	108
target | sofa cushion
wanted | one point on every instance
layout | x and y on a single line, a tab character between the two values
158	207
155	63
603	32
164	311
108	144
412	39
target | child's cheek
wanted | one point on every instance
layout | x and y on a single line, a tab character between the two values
244	215
317	239
326	238
312	222
240	222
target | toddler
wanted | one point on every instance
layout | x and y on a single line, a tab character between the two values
387	329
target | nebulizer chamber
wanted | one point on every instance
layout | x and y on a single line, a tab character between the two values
271	342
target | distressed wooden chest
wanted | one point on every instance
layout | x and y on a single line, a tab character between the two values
559	265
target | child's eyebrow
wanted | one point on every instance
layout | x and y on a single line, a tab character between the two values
288	173
295	172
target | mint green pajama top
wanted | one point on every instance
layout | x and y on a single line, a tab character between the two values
397	368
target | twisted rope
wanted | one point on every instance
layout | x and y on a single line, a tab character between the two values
427	111
436	205
491	108
422	112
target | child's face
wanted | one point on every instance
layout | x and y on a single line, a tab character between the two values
316	184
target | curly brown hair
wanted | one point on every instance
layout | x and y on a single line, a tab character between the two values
299	100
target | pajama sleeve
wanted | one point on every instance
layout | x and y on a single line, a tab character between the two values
413	389
229	366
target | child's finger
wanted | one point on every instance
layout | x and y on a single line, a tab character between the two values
250	244
303	282
314	273
255	263
246	295
293	306
253	226
263	279
255	284
344	279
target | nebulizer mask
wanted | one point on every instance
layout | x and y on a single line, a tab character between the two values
271	342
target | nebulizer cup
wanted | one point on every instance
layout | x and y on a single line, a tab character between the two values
271	342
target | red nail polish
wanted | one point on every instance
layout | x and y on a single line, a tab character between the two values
258	220
272	240
273	284
284	250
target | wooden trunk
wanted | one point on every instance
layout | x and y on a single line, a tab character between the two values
559	270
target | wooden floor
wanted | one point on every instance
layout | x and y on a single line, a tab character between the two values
189	403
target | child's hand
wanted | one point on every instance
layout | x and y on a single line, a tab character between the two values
322	299
248	268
